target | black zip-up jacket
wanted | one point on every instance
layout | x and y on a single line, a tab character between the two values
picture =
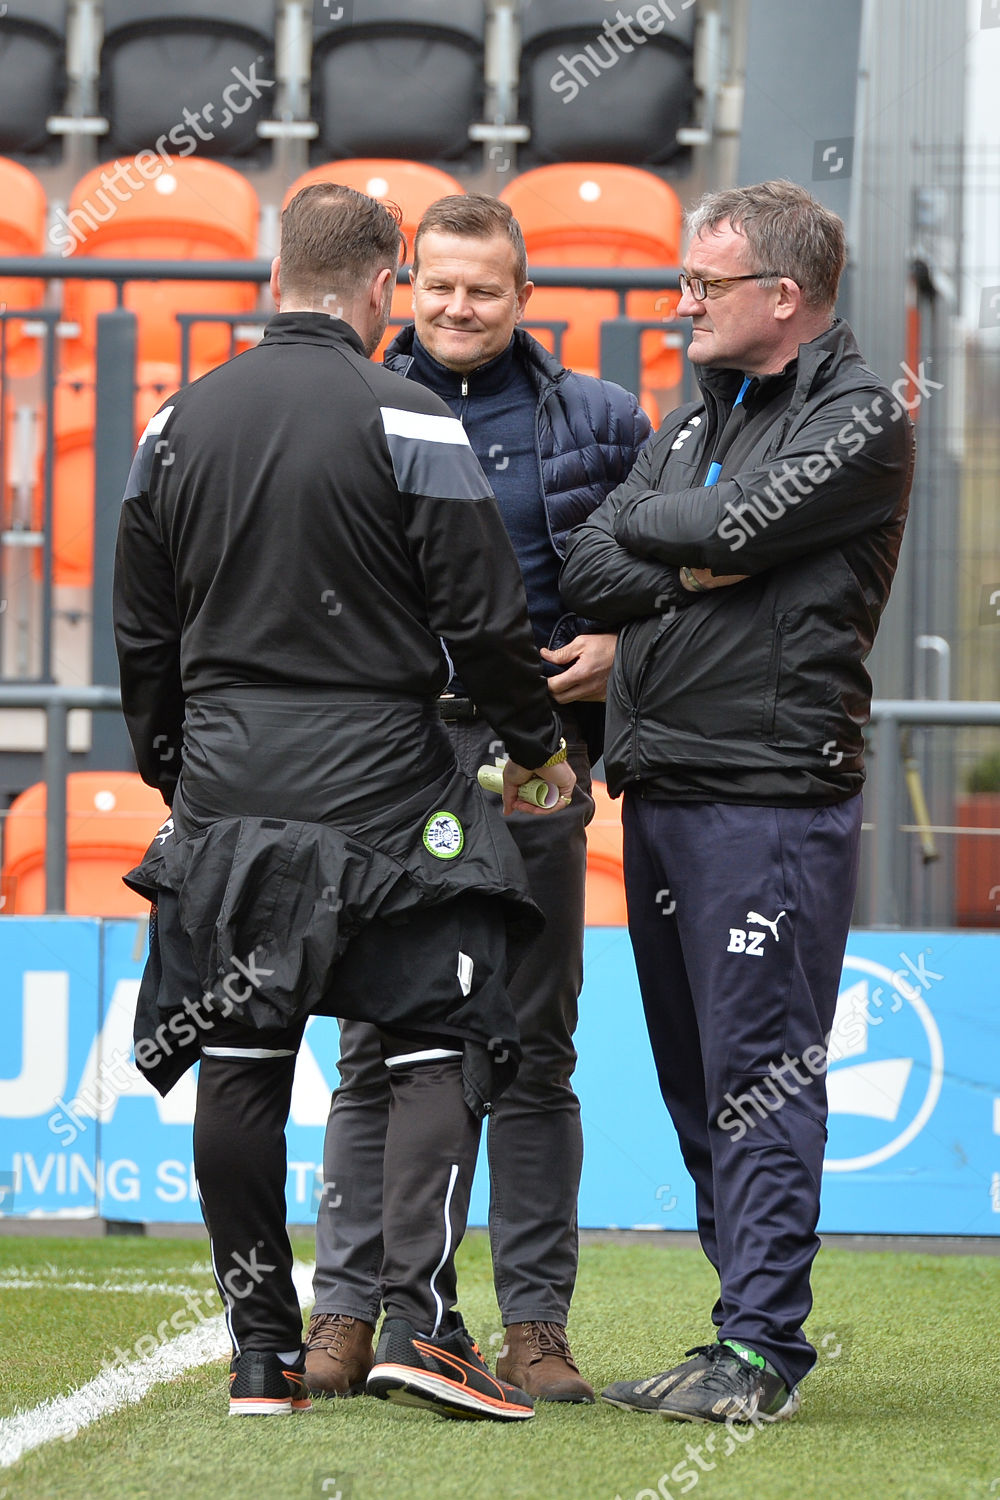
756	692
342	529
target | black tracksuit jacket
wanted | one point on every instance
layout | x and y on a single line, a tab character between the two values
754	693
300	530
301	517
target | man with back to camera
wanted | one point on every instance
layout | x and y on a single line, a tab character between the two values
301	530
553	444
747	560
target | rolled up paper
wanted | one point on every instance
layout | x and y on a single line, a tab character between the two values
536	791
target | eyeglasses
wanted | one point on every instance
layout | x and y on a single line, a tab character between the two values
699	286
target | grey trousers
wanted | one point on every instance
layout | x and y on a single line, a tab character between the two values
534	1138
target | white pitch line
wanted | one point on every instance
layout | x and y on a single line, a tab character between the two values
122	1385
18	1284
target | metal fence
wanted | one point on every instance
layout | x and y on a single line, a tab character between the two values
26	534
934	749
57	702
55	608
884	855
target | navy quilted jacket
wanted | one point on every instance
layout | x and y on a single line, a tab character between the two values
589	431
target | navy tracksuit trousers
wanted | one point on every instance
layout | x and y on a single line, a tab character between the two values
739	918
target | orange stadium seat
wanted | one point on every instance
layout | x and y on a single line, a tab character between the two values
189	210
73	475
595	214
411	185
111	819
22	228
605	898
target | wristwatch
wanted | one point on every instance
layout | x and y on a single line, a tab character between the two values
693	582
556	758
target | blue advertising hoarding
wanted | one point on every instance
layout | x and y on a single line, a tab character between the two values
49	990
914	1087
914	1091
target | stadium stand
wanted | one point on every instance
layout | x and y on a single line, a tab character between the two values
32	72
191	210
588	91
399	78
596	214
22	227
111	819
605	893
196	75
73	474
409	184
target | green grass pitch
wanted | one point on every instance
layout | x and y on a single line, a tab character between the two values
905	1403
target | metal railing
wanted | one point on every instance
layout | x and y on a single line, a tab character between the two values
621	279
620	345
57	702
888	716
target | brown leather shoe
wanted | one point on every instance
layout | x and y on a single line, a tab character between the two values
536	1357
338	1354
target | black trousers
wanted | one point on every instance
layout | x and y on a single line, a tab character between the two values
739	918
430	1146
534	1137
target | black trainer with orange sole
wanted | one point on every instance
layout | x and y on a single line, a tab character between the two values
262	1385
444	1374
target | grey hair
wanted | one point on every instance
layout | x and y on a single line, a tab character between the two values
787	231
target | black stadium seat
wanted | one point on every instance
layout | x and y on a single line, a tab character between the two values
398	78
32	72
212	58
596	92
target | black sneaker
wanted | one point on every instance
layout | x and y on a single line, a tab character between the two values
734	1384
262	1385
647	1395
443	1374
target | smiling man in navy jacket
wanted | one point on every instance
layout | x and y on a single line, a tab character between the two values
553	443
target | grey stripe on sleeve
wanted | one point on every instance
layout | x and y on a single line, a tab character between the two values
431	456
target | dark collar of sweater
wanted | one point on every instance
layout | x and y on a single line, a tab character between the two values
486	380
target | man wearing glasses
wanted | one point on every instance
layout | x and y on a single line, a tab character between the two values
747	560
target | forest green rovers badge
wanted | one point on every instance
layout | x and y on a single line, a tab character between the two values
443	835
